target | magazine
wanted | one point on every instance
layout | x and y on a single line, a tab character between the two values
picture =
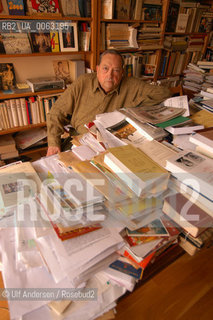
153	114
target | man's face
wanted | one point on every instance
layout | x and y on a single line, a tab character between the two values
110	72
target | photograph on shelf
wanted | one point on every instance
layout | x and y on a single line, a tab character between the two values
43	7
16	43
61	70
69	39
41	42
7	76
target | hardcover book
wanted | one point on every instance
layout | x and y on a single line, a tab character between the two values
172	17
203	138
54	41
7	143
70	8
107	7
16	7
122	9
153	229
193	169
136	169
187	214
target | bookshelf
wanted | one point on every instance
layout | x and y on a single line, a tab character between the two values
177	32
40	64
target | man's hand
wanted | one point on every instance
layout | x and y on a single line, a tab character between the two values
52	150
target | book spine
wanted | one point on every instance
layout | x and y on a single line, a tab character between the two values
3	120
28	108
6	116
46	106
41	110
9	112
14	112
19	112
24	111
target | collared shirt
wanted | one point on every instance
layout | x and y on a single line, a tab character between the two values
84	99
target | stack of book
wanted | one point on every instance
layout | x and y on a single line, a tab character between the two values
149	37
121	36
193	173
203	140
193	77
192	218
8	147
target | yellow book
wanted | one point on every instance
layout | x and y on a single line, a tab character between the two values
203	117
54	40
137	170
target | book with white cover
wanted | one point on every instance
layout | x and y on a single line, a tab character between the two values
13	191
186	128
187	214
203	138
193	169
84	152
25	139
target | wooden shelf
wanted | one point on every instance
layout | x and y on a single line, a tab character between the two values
4	96
129	21
38	149
36	54
16	129
45	17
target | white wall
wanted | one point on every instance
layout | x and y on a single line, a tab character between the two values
34	67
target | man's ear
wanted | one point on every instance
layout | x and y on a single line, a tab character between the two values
97	68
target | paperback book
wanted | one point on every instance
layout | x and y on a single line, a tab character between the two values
187	214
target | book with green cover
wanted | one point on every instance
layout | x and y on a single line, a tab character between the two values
172	122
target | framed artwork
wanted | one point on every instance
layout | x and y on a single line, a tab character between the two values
16	43
69	39
41	42
61	70
43	6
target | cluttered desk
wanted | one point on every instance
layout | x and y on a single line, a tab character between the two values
81	228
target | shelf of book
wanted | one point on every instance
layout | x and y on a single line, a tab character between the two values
171	24
23	128
39	54
4	96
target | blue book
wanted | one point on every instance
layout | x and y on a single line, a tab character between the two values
127	268
81	5
16	7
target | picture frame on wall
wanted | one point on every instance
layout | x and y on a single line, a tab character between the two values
69	39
